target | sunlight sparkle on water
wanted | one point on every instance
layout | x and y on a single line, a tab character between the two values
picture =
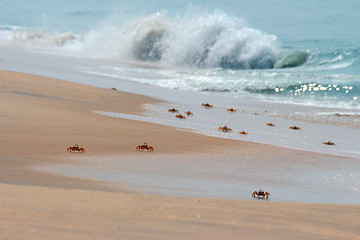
314	87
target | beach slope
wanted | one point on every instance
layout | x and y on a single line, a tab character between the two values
41	117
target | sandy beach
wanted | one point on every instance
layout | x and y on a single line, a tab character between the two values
40	117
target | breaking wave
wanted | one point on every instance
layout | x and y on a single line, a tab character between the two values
38	38
210	40
292	59
214	40
205	41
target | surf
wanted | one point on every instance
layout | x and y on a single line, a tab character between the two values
208	40
197	40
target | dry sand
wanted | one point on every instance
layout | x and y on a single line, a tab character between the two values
41	117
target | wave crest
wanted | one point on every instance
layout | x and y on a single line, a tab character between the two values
209	40
214	40
147	41
292	59
37	38
219	40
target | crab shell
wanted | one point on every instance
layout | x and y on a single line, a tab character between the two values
225	129
206	105
173	110
180	116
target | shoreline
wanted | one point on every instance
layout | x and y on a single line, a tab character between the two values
41	117
83	123
89	72
221	175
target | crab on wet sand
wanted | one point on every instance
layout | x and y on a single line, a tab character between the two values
173	110
295	127
232	110
188	113
260	194
179	116
207	105
225	129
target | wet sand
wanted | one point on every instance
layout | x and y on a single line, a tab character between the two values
41	117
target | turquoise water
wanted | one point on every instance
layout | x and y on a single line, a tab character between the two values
306	52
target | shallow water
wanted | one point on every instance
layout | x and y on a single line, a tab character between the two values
207	121
317	180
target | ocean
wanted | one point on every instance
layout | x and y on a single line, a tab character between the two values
303	52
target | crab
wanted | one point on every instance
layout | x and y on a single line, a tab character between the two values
115	89
207	105
188	113
270	124
225	129
260	194
232	110
179	116
329	143
75	148
146	147
294	128
243	133
173	110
